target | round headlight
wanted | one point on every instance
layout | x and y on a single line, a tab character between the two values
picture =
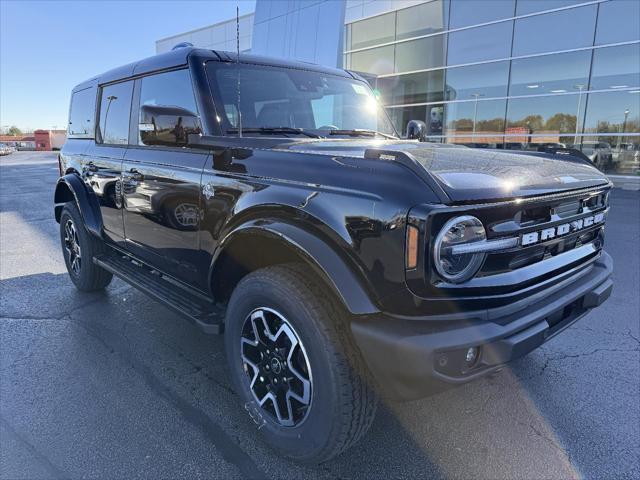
462	230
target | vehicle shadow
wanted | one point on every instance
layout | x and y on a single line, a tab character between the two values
121	351
118	367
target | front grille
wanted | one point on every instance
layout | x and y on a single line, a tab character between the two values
537	217
519	219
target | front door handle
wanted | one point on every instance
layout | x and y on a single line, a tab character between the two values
135	175
90	167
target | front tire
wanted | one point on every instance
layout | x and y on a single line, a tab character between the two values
78	248
295	366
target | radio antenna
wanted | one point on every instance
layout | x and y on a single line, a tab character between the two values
238	68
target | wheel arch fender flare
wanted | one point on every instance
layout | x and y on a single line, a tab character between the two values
71	188
317	253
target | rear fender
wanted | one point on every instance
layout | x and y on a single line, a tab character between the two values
71	188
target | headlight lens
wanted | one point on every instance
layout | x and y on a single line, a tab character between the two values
459	230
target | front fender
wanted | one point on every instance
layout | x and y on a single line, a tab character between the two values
71	188
318	254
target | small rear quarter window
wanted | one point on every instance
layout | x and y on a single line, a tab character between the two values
82	114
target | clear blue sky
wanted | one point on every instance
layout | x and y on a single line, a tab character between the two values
47	47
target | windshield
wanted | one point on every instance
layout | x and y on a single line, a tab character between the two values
286	98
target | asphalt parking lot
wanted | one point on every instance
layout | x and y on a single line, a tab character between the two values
114	385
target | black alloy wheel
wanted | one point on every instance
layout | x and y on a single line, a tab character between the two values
72	246
277	366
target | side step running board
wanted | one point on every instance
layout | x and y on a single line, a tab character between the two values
201	311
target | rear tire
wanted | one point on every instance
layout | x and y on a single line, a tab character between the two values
78	248
341	401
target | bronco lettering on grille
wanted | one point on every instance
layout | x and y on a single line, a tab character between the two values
560	230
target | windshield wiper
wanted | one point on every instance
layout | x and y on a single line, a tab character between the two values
357	132
276	130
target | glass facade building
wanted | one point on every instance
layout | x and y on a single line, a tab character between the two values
513	74
220	36
510	73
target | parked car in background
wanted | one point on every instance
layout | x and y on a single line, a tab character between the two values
598	152
509	146
543	147
6	149
554	149
626	158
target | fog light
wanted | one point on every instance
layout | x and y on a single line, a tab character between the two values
443	360
471	356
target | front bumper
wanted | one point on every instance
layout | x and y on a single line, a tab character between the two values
411	359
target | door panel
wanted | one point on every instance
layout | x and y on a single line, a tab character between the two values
101	170
161	197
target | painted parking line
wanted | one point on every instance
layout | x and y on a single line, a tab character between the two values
27	163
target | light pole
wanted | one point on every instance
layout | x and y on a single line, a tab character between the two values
111	98
580	87
624	127
475	109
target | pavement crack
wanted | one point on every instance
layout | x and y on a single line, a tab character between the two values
565	356
559	357
551	441
625	334
88	303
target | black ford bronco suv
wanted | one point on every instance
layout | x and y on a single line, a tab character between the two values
273	201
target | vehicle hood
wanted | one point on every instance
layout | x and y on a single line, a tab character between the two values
468	174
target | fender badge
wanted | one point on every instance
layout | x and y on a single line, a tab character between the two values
208	191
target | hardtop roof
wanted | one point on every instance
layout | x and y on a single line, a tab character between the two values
180	57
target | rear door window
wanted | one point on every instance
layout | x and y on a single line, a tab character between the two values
82	114
115	109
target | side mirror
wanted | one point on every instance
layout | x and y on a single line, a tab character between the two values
167	125
417	130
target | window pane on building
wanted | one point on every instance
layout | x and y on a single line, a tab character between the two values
613	153
115	108
420	54
559	73
563	30
435	120
485	118
373	31
473	12
401	116
613	112
421	19
546	117
488	80
483	43
376	60
616	67
530	6
618	21
611	117
420	87
347	37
